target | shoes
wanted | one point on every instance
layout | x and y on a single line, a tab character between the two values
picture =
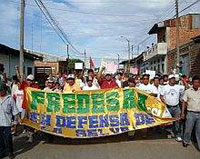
30	140
185	145
179	139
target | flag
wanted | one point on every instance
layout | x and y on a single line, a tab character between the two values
92	64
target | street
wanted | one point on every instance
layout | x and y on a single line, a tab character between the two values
113	147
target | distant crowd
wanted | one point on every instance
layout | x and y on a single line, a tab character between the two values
181	95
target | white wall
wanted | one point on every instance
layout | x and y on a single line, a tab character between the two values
10	63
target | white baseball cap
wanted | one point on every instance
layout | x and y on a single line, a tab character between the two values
71	76
30	77
171	76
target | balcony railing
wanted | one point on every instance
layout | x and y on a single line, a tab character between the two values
157	49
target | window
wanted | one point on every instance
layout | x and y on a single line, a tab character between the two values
196	21
29	70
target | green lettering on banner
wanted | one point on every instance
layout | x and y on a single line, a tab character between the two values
69	103
112	101
83	103
129	101
141	102
37	98
53	102
98	103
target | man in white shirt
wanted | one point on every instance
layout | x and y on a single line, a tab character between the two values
156	84
89	85
50	85
147	87
170	95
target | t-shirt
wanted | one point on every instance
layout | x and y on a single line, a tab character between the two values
192	98
14	89
119	83
171	94
85	88
104	84
148	88
70	89
19	97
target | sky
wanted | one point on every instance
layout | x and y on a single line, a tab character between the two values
92	25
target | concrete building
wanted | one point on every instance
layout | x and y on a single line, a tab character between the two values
189	58
156	56
136	62
9	58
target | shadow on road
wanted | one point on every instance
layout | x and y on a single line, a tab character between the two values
21	145
139	135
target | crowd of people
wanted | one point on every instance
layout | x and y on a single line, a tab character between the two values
181	95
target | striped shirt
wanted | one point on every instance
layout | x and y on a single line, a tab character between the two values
7	110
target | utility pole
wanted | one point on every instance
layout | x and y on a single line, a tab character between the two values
177	36
138	49
67	58
118	61
129	52
21	57
129	56
132	51
85	58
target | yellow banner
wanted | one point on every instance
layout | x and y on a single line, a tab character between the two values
88	114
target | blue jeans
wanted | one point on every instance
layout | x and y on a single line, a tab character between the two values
192	121
177	126
6	143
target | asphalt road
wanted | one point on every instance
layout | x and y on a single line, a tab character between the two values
115	147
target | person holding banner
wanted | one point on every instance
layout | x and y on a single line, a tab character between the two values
50	85
147	87
90	86
71	86
170	95
131	82
92	75
191	103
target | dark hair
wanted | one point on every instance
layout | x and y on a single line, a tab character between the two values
57	83
131	80
90	70
161	78
165	76
4	87
15	78
183	76
145	75
194	78
156	77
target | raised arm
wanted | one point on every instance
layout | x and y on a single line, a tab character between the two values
99	75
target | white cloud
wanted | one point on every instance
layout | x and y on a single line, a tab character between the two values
95	25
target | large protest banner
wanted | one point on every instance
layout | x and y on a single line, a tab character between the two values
88	114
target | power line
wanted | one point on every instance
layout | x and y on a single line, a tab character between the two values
188	7
55	26
82	12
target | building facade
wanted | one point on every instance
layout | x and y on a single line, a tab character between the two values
157	55
189	58
9	58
